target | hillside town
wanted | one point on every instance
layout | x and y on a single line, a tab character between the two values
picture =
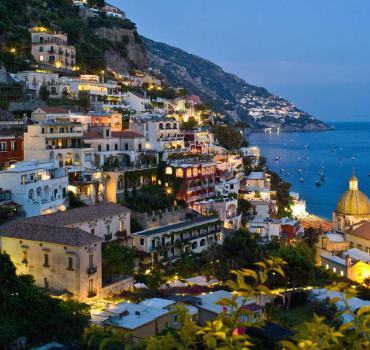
135	198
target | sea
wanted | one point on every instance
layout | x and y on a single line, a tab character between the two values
303	156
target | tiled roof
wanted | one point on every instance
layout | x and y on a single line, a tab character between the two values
93	135
362	231
54	110
126	134
74	216
51	234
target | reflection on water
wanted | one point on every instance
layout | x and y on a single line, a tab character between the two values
306	158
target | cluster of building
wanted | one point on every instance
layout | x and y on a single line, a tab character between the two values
346	249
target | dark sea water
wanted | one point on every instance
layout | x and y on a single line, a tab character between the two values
338	152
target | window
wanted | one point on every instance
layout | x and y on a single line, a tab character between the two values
107	133
359	246
13	146
342	273
140	146
3	147
175	318
368	250
70	263
126	146
91	285
46	283
334	269
93	231
107	147
91	259
327	266
46	260
116	146
99	148
141	241
24	257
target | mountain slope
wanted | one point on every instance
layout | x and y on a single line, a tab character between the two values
226	92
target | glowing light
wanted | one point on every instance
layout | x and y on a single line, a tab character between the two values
13	50
58	64
148	272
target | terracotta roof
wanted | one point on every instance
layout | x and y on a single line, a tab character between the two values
54	110
75	216
126	134
51	234
92	135
362	231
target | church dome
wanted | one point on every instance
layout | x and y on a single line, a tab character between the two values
353	202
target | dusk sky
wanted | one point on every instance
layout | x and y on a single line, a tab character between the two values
315	53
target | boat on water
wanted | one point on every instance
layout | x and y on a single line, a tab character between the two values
318	183
305	146
301	180
299	170
277	158
307	158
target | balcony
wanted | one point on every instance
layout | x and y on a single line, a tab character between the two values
51	51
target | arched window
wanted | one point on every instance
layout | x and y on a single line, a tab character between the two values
188	172
68	160
168	125
174	126
160	126
179	172
39	191
195	171
203	242
31	194
194	245
77	158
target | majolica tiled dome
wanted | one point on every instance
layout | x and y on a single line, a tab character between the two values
353	202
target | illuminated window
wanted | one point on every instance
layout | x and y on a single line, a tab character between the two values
169	170
188	172
334	269
327	266
342	273
179	172
195	172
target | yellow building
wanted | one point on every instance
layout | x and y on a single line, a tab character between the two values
352	208
63	260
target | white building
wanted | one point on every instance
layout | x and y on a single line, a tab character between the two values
40	187
57	140
137	102
104	96
225	207
170	242
160	133
266	229
34	80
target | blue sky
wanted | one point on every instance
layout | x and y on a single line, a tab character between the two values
316	53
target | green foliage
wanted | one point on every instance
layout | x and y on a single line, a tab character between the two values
74	201
228	137
190	124
44	93
26	310
117	261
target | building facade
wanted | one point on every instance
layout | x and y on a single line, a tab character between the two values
40	187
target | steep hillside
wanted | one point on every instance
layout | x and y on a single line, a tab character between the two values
226	92
100	41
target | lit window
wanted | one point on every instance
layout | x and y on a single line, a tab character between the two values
334	269
327	266
342	273
41	58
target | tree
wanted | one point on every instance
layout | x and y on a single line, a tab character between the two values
228	137
117	260
190	124
27	311
311	237
44	93
83	100
96	3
